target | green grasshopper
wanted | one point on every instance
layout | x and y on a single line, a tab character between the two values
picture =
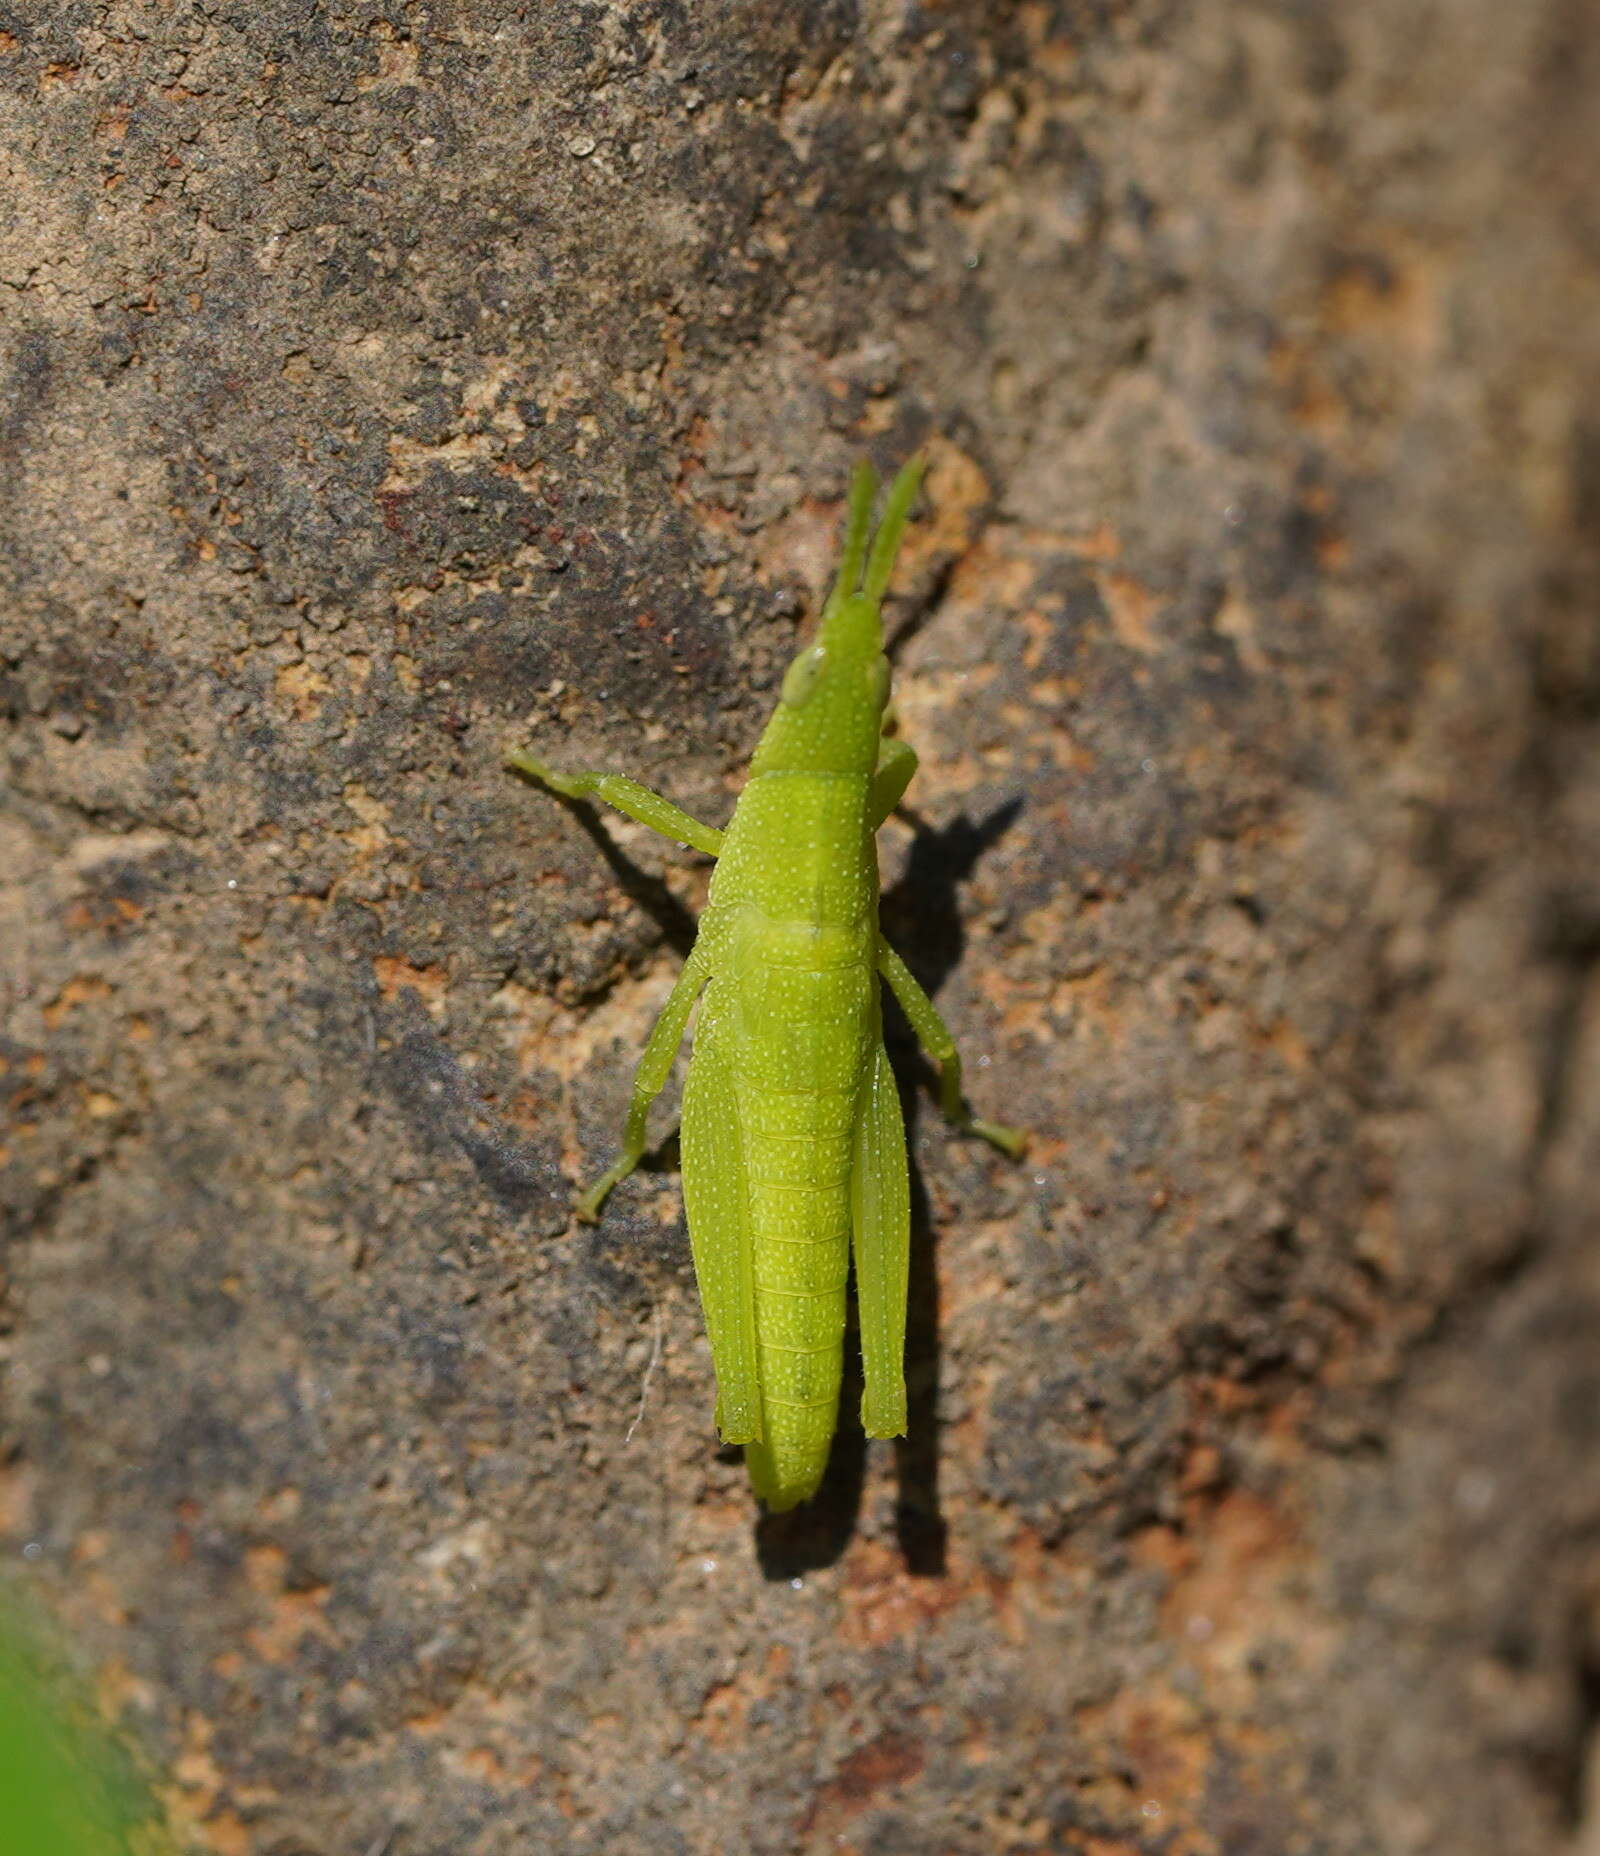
792	1140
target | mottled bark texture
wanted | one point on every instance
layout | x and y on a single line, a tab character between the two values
382	389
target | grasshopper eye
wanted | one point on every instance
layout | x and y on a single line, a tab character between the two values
803	676
878	680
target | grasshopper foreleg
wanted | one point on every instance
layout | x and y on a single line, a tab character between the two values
627	796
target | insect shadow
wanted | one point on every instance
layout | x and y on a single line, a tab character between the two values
921	917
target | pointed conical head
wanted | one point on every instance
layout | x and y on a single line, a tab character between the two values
830	714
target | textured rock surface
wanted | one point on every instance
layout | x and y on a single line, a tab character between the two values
380	389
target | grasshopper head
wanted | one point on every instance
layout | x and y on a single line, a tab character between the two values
830	714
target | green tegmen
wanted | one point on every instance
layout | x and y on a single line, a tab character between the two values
792	1141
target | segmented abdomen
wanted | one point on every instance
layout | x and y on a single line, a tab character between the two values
798	1108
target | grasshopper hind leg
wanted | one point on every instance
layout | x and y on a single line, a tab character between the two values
880	1217
716	1196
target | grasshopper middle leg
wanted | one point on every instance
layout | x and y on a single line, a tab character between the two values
648	1082
934	1035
